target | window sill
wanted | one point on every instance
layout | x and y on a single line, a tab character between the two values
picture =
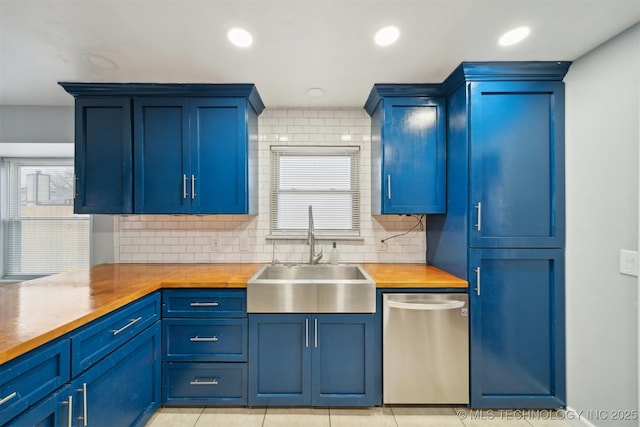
317	238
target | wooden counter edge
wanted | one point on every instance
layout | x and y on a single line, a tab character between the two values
184	283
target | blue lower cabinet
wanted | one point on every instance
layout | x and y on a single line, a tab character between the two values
343	360
187	384
123	389
32	377
200	340
517	328
318	360
279	360
52	412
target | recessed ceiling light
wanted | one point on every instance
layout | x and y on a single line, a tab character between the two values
240	37
514	36
387	35
315	92
101	62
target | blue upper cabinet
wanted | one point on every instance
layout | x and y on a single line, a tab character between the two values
517	164
182	148
223	156
162	156
408	143
104	149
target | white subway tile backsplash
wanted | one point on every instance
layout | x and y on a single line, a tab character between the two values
216	238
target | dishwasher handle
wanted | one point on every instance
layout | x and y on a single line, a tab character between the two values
440	305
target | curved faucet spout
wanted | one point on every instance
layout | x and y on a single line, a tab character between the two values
311	240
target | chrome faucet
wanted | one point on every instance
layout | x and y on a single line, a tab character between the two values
311	240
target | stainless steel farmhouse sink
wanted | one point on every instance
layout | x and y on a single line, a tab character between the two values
311	289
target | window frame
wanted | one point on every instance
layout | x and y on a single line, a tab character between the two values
354	153
6	215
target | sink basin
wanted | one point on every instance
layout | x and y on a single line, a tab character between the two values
311	289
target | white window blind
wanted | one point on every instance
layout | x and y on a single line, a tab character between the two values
327	178
42	234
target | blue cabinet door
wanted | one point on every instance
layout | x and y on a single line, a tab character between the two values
413	156
319	360
517	328
517	164
55	411
279	360
219	155
162	156
343	360
103	156
123	389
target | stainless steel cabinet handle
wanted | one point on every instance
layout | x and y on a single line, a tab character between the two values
477	270
479	223
69	402
184	186
203	339
204	304
193	186
389	187
198	382
131	323
8	398
315	333
84	416
306	333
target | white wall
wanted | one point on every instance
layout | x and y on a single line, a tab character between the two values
602	138
31	124
242	238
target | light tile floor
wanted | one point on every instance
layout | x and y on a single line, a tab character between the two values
395	416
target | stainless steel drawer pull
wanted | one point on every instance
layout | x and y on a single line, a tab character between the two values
204	304
306	333
203	339
69	402
84	416
131	323
389	187
477	270
8	398
198	382
193	187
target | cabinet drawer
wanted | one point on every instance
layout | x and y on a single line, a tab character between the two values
217	340
204	303
204	383
92	342
33	376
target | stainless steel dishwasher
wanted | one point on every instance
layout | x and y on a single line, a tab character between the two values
425	348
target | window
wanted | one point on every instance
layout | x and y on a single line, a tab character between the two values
41	233
327	178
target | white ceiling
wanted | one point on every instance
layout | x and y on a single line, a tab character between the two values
298	44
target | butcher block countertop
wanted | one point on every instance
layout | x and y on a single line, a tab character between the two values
37	311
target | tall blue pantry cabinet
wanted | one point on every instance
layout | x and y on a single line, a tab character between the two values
504	228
